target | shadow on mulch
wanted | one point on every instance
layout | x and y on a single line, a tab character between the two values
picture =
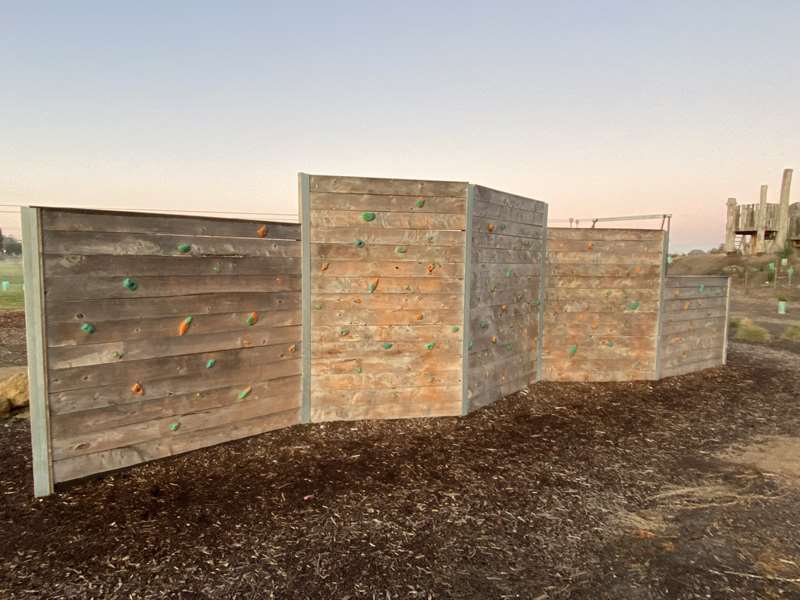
568	490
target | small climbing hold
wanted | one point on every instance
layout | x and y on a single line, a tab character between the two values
293	348
373	285
216	268
508	346
455	329
572	350
634	305
359	370
184	326
184	248
430	268
610	344
430	237
420	202
701	288
589	246
360	243
419	317
262	231
470	345
252	318
484	324
509	272
430	345
502	226
387	345
494	339
117	354
357	300
174	426
245	392
137	389
344	331
87	328
368	216
210	363
317	306
400	249
535	302
503	308
490	227
324	266
493	288
130	284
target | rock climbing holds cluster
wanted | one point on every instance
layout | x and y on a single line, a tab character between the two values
137	389
87	328
245	392
368	216
252	318
130	284
261	231
184	248
184	326
360	243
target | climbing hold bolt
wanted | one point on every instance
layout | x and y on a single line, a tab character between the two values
130	284
184	326
430	345
344	331
368	216
87	328
252	318
455	329
245	392
174	426
387	345
184	248
210	363
572	350
490	227
400	249
262	231
360	243
137	389
634	305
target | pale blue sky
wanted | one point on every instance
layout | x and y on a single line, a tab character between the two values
598	108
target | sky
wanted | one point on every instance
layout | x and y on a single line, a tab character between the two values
598	108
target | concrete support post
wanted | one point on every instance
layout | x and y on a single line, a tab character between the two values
761	222
730	226
783	210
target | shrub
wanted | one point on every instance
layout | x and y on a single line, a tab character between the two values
792	332
747	331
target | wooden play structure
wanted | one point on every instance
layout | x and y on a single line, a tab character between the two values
152	335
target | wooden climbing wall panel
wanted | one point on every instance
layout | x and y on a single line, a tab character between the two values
165	334
693	324
386	297
602	304
507	252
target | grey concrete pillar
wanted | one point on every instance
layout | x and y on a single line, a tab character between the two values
783	210
761	222
730	226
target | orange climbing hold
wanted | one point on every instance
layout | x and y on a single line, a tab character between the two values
262	231
430	268
503	308
293	348
324	266
137	389
494	339
420	316
589	246
490	227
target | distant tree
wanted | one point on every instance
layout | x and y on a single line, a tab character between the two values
11	246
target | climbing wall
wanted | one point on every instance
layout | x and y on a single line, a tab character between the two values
164	334
693	324
507	254
602	304
386	296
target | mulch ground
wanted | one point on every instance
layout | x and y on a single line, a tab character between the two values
12	339
554	493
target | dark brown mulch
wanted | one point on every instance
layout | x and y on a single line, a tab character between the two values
12	339
523	499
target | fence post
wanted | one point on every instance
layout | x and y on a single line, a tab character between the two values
305	280
761	222
660	313
727	321
465	330
542	296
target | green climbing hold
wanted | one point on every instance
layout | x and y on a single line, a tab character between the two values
359	370
174	426
387	345
470	345
188	320
508	345
184	248
317	306
572	350
610	344
502	226
400	249
245	393
430	345
368	216
484	324
87	328
252	319
420	203
360	243
210	363
130	284
509	272
344	331
535	302
372	287
634	305
455	328
216	268
702	288
117	354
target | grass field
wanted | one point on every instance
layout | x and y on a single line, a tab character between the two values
11	271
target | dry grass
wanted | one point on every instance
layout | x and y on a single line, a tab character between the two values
747	331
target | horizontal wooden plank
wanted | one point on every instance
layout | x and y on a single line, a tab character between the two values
409	396
80	311
691	367
110	416
695	292
387	220
633	325
632	258
191	366
604	270
493	227
141	244
632	249
603	283
673	281
70	334
385	285
381	333
234	410
375	236
393	187
351	316
388	380
601	305
554	296
678	343
507	297
426	254
643	352
118	393
402	352
498	271
64	357
135	266
691	315
387	410
482	240
697	326
368	301
684	305
690	356
486	195
93	288
596	374
531	215
384	203
117	458
604	234
132	222
387	268
486	256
